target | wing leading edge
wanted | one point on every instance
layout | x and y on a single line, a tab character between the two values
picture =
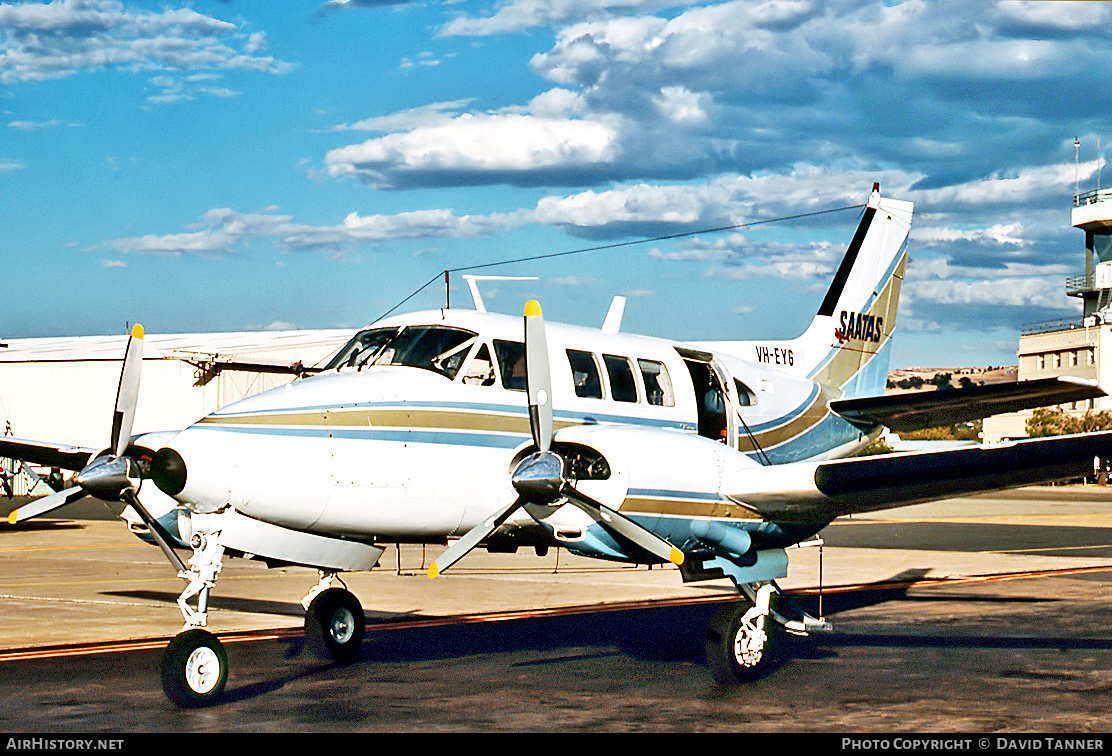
927	409
818	491
66	457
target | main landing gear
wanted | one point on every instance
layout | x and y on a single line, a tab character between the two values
334	621
744	639
194	667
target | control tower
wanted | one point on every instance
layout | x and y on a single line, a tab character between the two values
1092	213
1079	347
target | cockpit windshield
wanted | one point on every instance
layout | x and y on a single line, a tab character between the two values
437	348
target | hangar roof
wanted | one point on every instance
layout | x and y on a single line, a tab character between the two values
173	346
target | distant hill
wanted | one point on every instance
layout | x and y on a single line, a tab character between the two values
924	378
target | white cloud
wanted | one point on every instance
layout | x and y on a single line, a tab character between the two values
433	114
999	233
1042	291
524	14
49	41
682	106
497	145
32	125
1024	185
223	231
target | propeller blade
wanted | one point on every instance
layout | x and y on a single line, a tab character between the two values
620	525
129	497
45	504
128	393
471	538
538	378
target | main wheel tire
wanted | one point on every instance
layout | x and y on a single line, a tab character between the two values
194	669
334	625
738	650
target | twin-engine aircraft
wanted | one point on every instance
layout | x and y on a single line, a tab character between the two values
470	428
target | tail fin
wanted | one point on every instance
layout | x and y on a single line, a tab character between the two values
847	345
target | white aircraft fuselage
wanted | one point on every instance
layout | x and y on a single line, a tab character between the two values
419	452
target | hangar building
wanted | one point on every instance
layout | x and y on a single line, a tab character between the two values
63	390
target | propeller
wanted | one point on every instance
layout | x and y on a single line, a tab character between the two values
113	476
542	477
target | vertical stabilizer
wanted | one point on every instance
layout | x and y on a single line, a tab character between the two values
847	344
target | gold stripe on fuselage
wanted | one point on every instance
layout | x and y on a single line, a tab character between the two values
389	418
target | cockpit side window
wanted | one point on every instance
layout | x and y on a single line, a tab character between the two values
480	371
623	386
511	363
585	374
362	348
436	348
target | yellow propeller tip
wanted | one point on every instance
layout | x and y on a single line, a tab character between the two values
12	516
137	331
676	557
532	308
433	571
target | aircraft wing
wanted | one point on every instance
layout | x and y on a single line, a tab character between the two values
817	491
64	456
927	409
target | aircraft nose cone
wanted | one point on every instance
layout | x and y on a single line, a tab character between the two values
168	471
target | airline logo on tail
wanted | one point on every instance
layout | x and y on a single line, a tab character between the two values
860	326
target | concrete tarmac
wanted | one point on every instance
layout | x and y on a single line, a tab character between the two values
976	614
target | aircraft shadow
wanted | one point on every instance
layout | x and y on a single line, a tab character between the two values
673	633
32	526
895	590
230	603
668	634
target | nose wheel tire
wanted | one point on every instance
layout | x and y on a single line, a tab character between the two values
741	647
194	669
334	626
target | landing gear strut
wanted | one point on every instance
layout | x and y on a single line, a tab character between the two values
334	622
194	666
741	639
744	639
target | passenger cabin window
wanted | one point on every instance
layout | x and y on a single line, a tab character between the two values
585	374
745	395
436	348
623	386
658	386
480	371
511	363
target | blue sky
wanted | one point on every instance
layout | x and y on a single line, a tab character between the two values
231	166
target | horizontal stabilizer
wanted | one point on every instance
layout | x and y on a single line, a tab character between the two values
64	456
821	491
928	409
